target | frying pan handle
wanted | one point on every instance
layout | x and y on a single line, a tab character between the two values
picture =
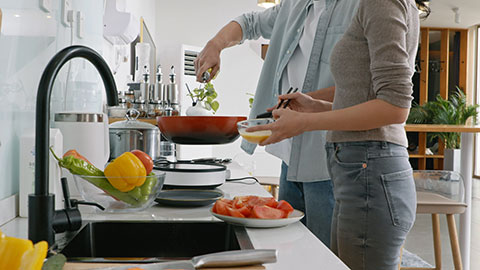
235	258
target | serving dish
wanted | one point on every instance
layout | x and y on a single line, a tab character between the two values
295	216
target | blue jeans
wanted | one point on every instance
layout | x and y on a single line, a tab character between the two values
315	199
375	202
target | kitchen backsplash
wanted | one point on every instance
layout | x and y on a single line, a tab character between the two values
24	54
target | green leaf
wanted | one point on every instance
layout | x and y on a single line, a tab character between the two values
454	111
55	262
208	106
215	105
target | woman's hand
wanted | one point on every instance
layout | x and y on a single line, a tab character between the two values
288	124
209	57
301	102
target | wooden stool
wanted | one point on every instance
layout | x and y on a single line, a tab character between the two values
271	184
441	192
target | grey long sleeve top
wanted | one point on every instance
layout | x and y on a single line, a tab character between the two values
374	60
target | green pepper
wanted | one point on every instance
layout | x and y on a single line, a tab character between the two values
77	166
149	184
136	193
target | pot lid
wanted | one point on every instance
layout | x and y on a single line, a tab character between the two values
132	122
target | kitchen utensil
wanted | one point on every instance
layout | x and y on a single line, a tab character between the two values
269	114
219	259
191	95
114	200
205	76
295	216
257	136
132	134
200	129
188	197
192	175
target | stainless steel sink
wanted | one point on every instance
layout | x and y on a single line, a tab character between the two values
151	241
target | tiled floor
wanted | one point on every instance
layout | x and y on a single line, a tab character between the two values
420	241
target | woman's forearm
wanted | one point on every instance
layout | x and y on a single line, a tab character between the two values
369	115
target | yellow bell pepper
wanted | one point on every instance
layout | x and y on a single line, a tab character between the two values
33	258
126	172
21	254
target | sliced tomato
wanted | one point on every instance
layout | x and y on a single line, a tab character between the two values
220	208
245	211
285	207
266	212
233	212
227	201
260	201
240	201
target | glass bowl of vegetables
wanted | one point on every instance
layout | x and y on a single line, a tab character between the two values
136	198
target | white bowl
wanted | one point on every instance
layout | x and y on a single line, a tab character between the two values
257	136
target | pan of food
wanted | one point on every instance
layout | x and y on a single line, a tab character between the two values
199	129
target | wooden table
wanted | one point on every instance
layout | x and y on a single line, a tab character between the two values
466	169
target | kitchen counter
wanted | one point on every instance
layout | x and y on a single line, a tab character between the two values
297	247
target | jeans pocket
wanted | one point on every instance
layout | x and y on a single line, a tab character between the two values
401	198
353	157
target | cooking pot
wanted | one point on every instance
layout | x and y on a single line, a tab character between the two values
200	129
132	134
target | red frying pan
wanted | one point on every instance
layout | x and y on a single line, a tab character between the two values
199	129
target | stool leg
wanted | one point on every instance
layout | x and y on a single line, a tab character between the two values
437	244
452	231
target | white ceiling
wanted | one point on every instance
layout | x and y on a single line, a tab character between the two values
443	16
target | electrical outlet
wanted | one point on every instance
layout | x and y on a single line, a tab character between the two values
46	5
66	6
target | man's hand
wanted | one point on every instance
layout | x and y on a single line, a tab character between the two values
209	57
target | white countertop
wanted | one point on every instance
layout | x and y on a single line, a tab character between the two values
297	247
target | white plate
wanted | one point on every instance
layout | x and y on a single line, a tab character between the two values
295	216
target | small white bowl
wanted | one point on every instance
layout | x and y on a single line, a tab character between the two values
257	136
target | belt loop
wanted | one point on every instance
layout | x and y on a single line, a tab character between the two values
384	145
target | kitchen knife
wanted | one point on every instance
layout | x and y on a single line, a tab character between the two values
219	259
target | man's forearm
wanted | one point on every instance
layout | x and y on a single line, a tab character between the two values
230	35
326	94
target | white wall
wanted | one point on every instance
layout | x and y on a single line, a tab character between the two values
193	23
138	8
23	59
173	22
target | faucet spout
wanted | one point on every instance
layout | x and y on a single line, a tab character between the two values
41	204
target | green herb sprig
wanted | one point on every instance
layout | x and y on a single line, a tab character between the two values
207	95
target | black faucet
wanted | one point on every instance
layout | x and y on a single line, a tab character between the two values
42	217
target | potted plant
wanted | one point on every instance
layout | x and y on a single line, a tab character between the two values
454	111
203	99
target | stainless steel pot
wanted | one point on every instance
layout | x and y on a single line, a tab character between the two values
132	134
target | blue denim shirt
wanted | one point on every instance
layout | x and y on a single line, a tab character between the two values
283	25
